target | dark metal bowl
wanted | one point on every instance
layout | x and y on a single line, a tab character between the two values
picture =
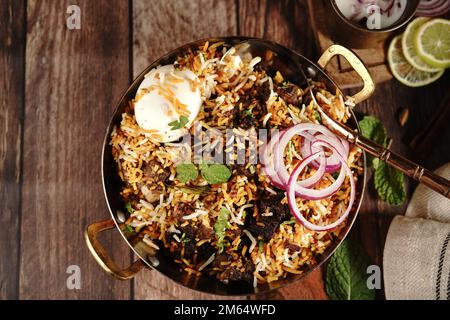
354	35
285	60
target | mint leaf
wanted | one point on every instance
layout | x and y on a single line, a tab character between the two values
215	173
179	124
389	184
373	129
186	172
346	274
220	228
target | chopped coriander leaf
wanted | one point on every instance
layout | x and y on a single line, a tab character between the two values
129	208
179	124
128	229
186	172
292	221
317	116
248	113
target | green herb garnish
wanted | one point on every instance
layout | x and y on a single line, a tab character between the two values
128	229
260	246
290	150
346	277
374	130
292	221
129	208
186	172
389	182
220	228
248	113
184	239
317	116
178	124
215	173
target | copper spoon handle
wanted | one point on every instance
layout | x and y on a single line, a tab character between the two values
409	168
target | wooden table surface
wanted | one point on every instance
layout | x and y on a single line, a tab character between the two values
58	88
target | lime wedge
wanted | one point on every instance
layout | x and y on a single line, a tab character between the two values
403	71
432	43
409	49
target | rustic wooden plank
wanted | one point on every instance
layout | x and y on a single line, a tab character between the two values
163	25
12	37
160	26
73	81
284	21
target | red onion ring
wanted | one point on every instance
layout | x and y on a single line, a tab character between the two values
433	8
298	129
291	191
333	163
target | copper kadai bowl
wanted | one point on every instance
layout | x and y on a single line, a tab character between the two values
288	63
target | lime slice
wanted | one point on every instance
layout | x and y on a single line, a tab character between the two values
408	46
403	71
432	43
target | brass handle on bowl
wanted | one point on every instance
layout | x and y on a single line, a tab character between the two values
356	63
102	257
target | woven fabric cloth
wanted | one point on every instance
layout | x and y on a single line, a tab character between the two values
416	260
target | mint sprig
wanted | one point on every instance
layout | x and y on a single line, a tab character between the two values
346	275
215	173
186	172
220	228
388	181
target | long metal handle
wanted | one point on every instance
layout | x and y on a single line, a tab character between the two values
102	257
411	169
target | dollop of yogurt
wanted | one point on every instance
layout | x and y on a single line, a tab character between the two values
166	96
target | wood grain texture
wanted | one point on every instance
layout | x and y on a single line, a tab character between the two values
158	27
12	44
283	21
163	25
73	81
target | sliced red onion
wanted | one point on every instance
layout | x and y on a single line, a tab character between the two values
266	159
278	154
333	163
292	186
433	8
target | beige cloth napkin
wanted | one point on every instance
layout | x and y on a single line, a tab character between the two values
416	259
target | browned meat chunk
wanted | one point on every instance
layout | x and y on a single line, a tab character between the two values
263	93
197	232
155	172
290	93
292	247
265	226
